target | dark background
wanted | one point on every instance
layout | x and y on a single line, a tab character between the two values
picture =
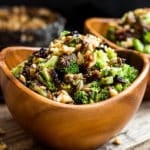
76	11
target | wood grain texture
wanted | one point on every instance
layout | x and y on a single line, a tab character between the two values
135	136
15	137
99	27
65	126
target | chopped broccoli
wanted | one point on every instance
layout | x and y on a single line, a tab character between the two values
111	34
94	88
104	94
105	72
66	87
107	80
111	53
45	74
51	86
73	42
94	84
39	89
129	73
72	68
17	70
81	97
94	94
50	63
138	45
101	59
147	49
64	33
119	87
146	37
42	77
115	71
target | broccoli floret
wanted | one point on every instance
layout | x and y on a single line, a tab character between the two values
42	77
39	89
50	63
72	68
94	84
45	74
73	42
111	53
147	49
105	72
129	73
94	93
51	86
66	87
146	37
101	59
64	33
17	70
107	80
119	87
138	45
81	97
115	71
104	94
111	34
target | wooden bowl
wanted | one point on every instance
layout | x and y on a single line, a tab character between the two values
64	126
31	36
99	27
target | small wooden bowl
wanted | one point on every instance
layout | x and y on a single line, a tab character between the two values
32	36
64	126
99	27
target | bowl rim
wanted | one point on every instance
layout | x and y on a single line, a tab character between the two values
88	26
38	97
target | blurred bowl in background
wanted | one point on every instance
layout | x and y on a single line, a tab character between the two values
99	27
29	26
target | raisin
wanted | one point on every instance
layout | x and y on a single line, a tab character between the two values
54	75
119	79
41	53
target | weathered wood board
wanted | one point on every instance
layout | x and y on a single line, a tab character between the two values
135	136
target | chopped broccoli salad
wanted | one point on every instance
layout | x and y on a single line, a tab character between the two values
76	69
133	31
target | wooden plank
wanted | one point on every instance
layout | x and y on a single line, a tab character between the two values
15	137
135	136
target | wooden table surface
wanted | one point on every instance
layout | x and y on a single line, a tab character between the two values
135	136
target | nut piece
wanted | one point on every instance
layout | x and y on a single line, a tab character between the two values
63	97
112	92
3	146
117	141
